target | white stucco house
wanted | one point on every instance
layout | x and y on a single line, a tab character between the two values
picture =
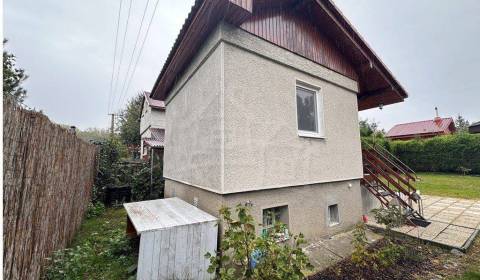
152	125
262	101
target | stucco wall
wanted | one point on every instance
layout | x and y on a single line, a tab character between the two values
231	119
193	134
262	146
307	205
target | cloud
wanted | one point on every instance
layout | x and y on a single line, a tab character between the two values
67	49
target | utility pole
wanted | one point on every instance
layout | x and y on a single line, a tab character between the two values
112	124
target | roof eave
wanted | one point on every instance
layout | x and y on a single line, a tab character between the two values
179	58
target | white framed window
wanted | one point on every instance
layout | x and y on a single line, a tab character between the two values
309	111
333	216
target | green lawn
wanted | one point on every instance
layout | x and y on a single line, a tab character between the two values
100	250
448	184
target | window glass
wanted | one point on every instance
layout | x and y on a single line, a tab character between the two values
333	214
272	216
307	110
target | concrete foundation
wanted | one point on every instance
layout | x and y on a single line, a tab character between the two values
307	205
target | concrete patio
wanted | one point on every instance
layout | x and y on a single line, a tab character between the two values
454	222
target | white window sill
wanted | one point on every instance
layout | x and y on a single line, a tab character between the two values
309	134
333	224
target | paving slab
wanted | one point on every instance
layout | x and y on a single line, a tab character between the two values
454	222
428	233
328	251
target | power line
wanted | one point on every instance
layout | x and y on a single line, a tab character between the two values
121	53
114	57
134	48
141	48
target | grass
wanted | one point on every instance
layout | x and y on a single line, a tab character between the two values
470	275
100	250
448	184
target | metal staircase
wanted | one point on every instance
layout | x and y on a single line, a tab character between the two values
391	182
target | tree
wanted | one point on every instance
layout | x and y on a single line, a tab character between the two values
129	121
369	128
94	134
13	77
461	124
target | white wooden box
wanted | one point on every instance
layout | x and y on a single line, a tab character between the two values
174	237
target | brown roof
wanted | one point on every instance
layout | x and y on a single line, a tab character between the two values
431	127
377	84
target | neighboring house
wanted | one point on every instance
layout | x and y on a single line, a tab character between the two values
152	125
474	127
262	109
422	129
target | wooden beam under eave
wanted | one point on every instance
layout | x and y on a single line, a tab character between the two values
378	98
375	93
368	66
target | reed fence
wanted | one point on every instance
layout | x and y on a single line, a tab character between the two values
48	176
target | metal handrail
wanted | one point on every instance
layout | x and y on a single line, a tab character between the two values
393	160
394	163
397	159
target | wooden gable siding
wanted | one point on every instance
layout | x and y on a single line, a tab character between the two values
286	29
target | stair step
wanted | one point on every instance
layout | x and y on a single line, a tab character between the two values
388	185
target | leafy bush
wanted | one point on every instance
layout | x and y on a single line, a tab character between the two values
361	256
390	254
118	244
140	181
78	262
450	153
70	263
109	154
391	217
244	255
95	209
114	170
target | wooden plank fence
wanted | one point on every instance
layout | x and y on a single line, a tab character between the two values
48	176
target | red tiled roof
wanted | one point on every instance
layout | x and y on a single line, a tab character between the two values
158	138
154	103
436	126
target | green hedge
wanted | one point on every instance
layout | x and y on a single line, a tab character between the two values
442	154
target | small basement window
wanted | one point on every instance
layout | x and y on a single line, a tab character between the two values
309	111
272	216
333	217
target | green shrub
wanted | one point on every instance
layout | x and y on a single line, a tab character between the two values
391	217
114	170
240	247
109	154
80	261
361	256
70	263
95	209
450	153
390	254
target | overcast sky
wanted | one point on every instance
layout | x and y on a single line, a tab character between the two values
66	47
